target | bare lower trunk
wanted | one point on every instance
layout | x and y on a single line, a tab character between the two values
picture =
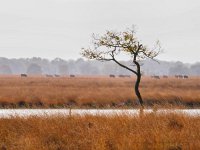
137	91
137	84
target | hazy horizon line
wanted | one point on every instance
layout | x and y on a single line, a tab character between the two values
51	59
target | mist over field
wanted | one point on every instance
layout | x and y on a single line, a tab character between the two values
39	66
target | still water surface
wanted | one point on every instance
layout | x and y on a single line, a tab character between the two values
6	113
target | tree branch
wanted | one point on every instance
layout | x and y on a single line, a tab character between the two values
123	65
104	59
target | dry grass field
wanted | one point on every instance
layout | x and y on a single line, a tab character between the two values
122	132
149	132
96	92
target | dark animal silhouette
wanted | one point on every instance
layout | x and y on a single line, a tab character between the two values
179	76
123	76
56	75
72	76
155	77
24	75
112	76
48	75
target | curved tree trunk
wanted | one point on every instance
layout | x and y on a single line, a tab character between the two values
137	84
138	74
137	91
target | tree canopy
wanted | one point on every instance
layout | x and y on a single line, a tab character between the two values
112	44
107	46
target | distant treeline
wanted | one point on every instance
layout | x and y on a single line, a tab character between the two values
39	66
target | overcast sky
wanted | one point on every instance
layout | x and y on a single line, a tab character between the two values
60	28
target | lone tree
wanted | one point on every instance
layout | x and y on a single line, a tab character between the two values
112	44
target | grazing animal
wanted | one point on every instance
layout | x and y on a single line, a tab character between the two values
56	75
179	76
72	76
112	76
48	75
185	77
24	75
155	77
123	76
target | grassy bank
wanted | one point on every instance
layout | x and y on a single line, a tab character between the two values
96	92
167	132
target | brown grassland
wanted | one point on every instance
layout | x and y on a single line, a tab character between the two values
122	132
148	132
96	92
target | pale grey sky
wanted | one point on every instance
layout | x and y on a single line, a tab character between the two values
59	28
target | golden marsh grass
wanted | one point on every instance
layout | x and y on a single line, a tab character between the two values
96	92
